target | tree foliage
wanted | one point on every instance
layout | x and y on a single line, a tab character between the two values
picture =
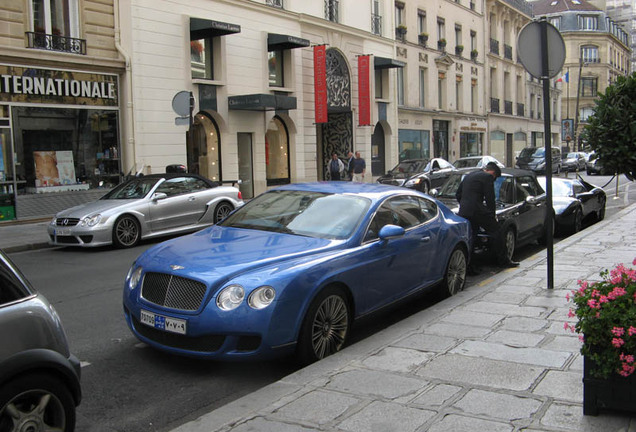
611	129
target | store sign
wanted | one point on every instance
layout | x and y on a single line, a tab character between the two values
364	93
30	85
320	83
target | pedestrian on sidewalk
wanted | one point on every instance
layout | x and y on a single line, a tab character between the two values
359	168
476	197
336	167
350	159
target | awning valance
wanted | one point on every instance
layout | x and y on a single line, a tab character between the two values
281	41
261	102
386	63
202	28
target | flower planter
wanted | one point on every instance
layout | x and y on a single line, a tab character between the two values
612	393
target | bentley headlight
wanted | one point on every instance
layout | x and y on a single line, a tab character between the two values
230	297
261	297
134	276
413	182
91	220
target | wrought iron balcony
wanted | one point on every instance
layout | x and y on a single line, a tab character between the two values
331	10
521	110
376	24
494	105
275	3
508	107
494	46
508	52
56	43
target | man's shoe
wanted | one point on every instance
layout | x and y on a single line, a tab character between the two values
511	264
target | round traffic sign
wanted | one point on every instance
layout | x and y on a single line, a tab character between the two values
530	47
181	103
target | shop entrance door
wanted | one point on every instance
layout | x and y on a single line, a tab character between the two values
246	168
378	151
440	139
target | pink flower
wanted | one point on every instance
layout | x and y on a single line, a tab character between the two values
618	331
603	299
596	293
571	314
616	293
631	331
634	262
618	342
593	304
567	296
581	338
627	358
627	370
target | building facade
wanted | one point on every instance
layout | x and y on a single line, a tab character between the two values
60	100
597	51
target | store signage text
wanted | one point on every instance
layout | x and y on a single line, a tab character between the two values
39	86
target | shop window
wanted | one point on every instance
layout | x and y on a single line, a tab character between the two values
56	17
202	59
277	153
276	68
204	148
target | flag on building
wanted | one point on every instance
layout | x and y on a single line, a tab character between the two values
564	78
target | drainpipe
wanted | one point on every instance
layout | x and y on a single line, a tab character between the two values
130	113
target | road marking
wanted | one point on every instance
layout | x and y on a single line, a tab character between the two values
485	282
84	363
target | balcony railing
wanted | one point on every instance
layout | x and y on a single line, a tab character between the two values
376	24
275	3
508	107
494	46
331	10
508	52
56	43
521	110
494	105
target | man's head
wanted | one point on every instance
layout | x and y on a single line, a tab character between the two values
334	156
350	155
493	169
358	154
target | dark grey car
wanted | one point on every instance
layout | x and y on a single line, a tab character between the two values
39	377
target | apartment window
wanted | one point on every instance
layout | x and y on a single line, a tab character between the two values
56	17
376	18
589	54
275	66
400	86
421	21
459	94
205	44
589	87
556	22
588	22
441	91
473	40
473	95
201	58
441	29
422	87
380	76
585	113
458	35
331	10
399	14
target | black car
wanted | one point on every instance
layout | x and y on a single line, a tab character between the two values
534	159
575	201
594	166
419	174
520	203
574	161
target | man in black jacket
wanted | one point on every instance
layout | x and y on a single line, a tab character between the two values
476	197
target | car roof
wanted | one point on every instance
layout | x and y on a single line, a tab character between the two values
510	172
369	190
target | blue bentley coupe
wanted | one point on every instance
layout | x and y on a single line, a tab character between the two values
289	271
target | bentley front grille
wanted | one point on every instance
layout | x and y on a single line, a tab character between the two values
174	292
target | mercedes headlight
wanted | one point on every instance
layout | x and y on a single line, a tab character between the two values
413	182
134	276
54	221
230	297
91	220
261	297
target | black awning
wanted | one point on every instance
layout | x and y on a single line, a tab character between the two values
202	28
280	42
261	102
386	63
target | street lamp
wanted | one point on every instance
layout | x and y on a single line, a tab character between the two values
576	113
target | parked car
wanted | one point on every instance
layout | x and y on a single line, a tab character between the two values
533	158
476	162
594	166
419	174
144	207
292	269
39	377
574	201
574	161
520	207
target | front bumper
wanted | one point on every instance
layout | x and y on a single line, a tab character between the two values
79	236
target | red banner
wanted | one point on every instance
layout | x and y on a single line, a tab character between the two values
320	83
364	93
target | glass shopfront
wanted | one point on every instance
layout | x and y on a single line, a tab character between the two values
59	133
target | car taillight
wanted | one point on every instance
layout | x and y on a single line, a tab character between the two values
240	195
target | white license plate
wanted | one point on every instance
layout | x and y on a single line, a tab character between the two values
63	231
161	322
